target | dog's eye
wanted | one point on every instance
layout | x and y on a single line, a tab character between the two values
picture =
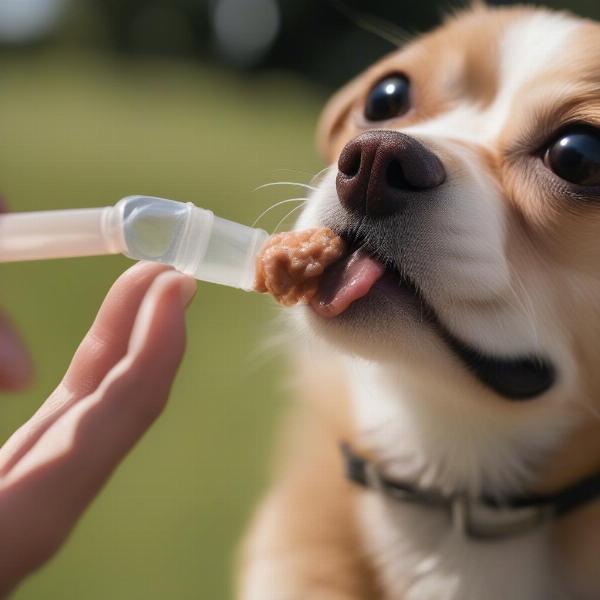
575	156
389	98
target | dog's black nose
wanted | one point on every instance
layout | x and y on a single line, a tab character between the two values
378	170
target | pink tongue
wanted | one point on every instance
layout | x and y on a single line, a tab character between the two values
346	281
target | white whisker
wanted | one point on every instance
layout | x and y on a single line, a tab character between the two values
288	215
321	172
383	29
297	171
264	212
293	183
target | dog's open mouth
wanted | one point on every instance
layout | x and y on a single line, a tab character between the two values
356	274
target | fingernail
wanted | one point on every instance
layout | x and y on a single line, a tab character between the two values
188	288
187	285
145	316
143	265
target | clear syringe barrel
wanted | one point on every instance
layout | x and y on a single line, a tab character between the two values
189	238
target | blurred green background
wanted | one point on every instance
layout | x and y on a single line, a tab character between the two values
105	99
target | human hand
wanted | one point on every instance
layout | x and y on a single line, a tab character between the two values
116	386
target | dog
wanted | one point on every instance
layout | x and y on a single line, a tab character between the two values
446	445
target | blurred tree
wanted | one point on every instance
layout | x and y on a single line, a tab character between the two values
327	41
172	27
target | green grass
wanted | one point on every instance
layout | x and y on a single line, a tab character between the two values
80	130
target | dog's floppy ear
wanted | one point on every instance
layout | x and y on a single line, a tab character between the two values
333	119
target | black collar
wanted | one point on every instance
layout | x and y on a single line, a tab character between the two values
480	518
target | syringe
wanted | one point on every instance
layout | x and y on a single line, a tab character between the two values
191	239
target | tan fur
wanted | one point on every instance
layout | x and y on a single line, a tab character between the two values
436	88
307	530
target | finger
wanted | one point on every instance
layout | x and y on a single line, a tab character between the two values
15	362
47	490
106	342
103	346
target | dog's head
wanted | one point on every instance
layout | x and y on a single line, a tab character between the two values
466	169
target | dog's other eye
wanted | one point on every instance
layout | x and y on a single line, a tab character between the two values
575	156
389	98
